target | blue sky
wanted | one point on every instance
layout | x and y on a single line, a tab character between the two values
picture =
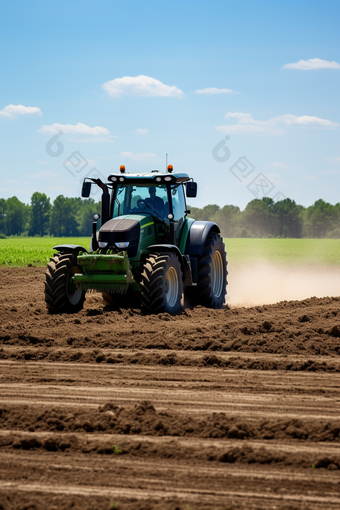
127	83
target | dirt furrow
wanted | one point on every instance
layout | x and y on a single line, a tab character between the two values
189	442
209	497
193	400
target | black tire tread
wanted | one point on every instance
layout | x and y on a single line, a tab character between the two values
152	283
202	293
56	295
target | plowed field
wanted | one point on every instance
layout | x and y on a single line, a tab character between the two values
226	409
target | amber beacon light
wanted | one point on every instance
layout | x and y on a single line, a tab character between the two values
122	169
170	169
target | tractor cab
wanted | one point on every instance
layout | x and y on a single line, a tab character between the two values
165	203
154	200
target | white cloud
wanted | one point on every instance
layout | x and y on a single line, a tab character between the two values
278	164
139	156
304	120
312	64
246	124
21	192
11	111
331	171
93	139
12	191
141	131
42	174
140	86
79	128
92	162
333	160
64	189
309	178
214	90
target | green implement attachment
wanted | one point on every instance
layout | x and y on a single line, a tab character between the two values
109	272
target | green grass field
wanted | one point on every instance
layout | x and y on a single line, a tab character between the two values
284	251
21	251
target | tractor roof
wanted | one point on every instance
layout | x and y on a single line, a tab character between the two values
149	177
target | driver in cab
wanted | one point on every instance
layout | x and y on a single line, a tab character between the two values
154	201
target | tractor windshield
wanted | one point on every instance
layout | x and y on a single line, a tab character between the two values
137	199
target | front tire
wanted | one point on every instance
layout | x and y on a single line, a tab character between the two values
212	275
162	284
61	295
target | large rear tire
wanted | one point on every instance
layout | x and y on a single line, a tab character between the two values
61	294
162	284
212	275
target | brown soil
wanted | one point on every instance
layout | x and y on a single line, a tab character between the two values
235	408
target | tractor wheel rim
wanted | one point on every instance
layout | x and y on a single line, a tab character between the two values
74	293
217	274
171	287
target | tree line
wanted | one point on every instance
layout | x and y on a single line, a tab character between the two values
266	218
64	217
261	218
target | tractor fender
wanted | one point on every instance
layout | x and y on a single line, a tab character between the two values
165	247
186	271
69	248
197	237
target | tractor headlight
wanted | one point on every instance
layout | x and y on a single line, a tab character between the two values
122	245
101	244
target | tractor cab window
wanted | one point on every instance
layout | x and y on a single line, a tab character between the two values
145	199
179	208
119	204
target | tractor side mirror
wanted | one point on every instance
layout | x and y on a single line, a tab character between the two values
191	189
86	189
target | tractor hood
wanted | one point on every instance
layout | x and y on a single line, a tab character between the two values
124	229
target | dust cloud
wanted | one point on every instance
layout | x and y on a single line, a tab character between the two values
264	283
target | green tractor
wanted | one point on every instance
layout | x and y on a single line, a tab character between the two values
146	249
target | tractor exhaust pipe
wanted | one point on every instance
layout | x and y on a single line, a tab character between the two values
105	204
94	232
105	212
